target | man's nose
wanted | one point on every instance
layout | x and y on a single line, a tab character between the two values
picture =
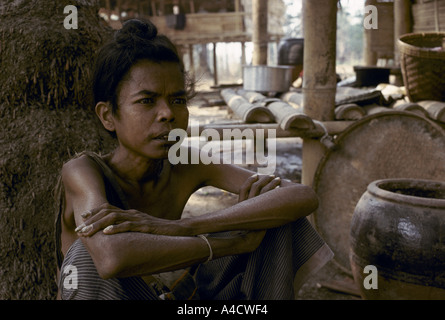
165	112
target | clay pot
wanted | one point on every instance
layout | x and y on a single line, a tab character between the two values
291	53
398	226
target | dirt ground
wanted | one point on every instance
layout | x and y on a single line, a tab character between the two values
330	282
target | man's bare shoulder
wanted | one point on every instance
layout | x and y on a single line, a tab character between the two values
83	160
79	171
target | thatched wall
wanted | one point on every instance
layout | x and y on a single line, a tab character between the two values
45	118
428	16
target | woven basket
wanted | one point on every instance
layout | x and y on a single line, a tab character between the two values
423	68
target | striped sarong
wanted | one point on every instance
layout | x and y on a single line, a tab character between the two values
79	280
286	257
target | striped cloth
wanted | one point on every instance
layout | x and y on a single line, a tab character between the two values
79	280
287	256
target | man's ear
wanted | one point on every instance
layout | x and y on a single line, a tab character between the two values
105	114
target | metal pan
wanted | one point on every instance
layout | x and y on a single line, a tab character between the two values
267	78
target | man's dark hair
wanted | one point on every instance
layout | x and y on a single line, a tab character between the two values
137	40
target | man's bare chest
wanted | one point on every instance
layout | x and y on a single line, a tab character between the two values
166	203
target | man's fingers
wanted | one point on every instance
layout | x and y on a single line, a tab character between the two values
256	185
84	230
271	185
92	212
125	227
245	188
108	212
116	228
116	220
256	188
100	221
87	214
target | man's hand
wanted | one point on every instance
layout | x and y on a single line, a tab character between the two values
256	185
113	220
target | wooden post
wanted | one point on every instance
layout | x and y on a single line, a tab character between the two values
162	8
319	78
259	33
402	23
118	9
108	8
192	62
140	10
237	6
243	58
369	54
153	8
243	53
215	66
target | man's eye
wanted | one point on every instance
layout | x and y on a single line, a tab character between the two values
179	101
147	101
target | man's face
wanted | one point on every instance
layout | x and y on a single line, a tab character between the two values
151	102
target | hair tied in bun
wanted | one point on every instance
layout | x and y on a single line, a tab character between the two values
136	28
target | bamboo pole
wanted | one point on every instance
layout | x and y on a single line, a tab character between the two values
245	110
332	127
319	79
285	115
259	34
215	66
243	53
402	23
369	54
192	62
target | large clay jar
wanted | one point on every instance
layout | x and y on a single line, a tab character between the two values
398	226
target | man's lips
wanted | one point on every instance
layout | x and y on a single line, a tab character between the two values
164	137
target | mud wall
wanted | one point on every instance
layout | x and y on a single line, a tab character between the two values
45	118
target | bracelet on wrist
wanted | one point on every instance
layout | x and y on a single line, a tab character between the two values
203	237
